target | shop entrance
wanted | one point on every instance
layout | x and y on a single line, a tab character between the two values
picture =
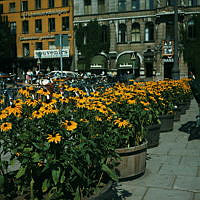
149	69
168	69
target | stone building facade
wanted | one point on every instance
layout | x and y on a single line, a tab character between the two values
141	33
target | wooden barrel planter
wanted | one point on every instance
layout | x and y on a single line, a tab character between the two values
153	135
132	163
167	123
182	108
177	114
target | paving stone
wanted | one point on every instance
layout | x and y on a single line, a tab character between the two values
158	194
164	159
153	180
158	150
190	161
193	144
187	183
185	152
196	196
178	170
130	193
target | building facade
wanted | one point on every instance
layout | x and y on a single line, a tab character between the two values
142	33
38	25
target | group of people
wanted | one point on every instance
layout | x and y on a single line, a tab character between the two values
30	75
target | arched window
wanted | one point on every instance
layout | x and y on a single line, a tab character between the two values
149	32
191	29
135	32
122	33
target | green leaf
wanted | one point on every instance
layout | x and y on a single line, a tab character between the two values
77	194
21	172
27	149
45	185
111	173
62	178
56	175
1	181
36	157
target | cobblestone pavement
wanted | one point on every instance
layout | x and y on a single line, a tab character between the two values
172	171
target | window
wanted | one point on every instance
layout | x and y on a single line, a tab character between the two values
38	25
135	33
149	4
24	6
51	4
87	7
101	6
170	2
38	46
51	24
65	3
26	50
1	8
191	30
122	33
12	7
149	32
37	4
65	23
25	28
135	4
192	2
13	27
52	45
121	5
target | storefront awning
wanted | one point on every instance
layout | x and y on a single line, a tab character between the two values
98	62
125	62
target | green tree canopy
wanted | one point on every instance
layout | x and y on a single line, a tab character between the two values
191	44
91	40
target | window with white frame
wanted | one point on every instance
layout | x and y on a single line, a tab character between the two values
26	50
24	6
51	25
38	25
101	6
191	29
65	23
12	7
51	45
149	4
122	33
87	6
149	32
135	4
121	5
13	27
135	32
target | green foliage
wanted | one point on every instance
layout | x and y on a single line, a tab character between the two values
94	44
7	40
191	47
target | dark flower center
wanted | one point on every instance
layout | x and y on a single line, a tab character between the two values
69	123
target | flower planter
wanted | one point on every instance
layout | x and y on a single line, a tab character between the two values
182	107
153	135
167	123
102	193
177	114
133	161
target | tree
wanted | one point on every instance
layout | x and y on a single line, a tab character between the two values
7	44
91	40
191	44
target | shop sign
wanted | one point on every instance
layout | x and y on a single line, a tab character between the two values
29	14
168	59
125	65
51	53
167	48
95	66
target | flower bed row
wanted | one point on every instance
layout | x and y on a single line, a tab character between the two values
65	140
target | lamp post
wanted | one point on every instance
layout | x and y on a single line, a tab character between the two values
175	69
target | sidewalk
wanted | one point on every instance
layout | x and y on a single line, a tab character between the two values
173	168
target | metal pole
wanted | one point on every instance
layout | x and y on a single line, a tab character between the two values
175	69
61	61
